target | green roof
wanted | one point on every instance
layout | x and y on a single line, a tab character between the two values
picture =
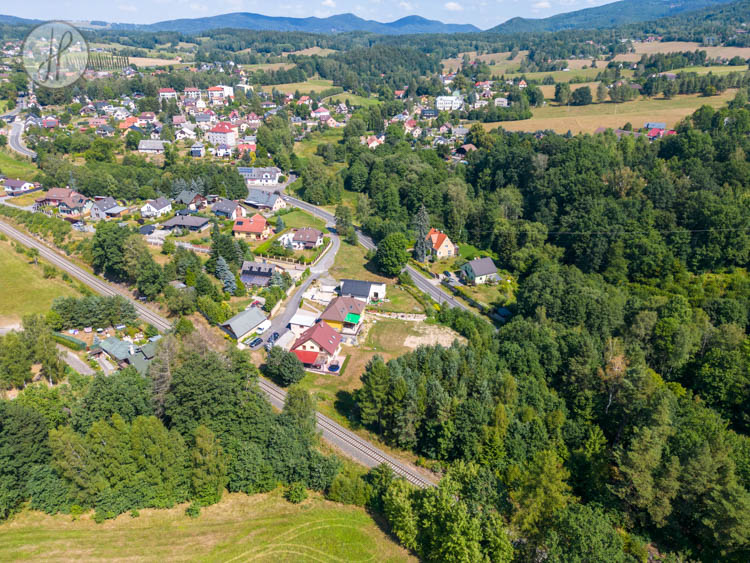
352	318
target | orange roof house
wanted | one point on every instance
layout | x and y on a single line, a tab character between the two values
440	245
253	228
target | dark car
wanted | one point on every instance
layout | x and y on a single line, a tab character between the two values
255	342
447	273
274	337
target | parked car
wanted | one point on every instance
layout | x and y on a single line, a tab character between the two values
255	342
447	273
274	337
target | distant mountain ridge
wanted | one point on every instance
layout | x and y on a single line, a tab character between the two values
606	16
340	23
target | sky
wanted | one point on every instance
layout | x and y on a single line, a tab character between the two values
482	13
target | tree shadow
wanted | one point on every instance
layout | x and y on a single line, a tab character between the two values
347	407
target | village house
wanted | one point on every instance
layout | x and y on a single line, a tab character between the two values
245	323
344	314
197	150
365	291
151	146
449	103
124	353
192	200
17	187
260	176
253	228
440	245
156	208
106	208
261	199
257	274
480	271
68	202
186	223
228	209
167	94
318	346
302	239
301	321
192	93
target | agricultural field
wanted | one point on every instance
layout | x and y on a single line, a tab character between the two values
148	61
549	89
15	167
268	66
499	62
312	85
260	528
648	48
352	100
24	289
586	119
320	51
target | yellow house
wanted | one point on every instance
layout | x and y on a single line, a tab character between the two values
440	245
344	314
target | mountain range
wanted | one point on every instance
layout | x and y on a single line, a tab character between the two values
606	16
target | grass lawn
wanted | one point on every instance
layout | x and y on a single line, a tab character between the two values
16	168
298	218
348	199
312	85
585	119
242	528
26	199
268	66
305	149
24	290
353	100
351	264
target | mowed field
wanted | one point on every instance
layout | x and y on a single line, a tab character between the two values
313	85
499	62
268	66
239	528
643	48
586	119
311	51
14	167
23	289
148	61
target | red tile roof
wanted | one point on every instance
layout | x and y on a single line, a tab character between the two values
437	238
255	224
323	335
221	128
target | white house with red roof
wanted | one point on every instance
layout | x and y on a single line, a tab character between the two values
193	93
305	100
318	346
440	245
321	113
167	94
222	134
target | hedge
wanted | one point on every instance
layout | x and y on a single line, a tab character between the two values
68	341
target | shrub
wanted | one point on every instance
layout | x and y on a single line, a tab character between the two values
295	493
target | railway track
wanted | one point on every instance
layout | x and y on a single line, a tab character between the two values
95	283
347	440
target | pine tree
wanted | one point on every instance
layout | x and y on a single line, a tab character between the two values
225	275
421	227
280	226
209	468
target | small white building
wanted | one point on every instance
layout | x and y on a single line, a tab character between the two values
449	103
156	207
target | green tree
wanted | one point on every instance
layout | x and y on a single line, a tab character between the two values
562	93
581	96
601	93
580	534
208	475
391	255
283	366
421	228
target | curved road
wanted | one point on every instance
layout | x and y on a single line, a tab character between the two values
15	141
345	440
435	292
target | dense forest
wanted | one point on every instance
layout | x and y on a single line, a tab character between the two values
617	396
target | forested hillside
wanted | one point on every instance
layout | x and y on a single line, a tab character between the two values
616	399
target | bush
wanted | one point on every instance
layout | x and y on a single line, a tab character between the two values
350	488
194	510
283	367
295	493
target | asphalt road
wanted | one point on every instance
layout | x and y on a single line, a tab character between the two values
423	284
348	442
15	142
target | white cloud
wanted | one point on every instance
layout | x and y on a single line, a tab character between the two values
405	6
453	7
329	3
543	5
195	7
127	8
